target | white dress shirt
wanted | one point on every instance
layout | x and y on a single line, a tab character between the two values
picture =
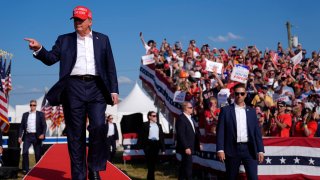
153	131
110	129
85	63
31	123
190	120
241	118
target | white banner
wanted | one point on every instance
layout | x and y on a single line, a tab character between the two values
297	58
179	96
147	59
239	74
210	66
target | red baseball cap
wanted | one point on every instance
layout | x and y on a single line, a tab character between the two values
81	12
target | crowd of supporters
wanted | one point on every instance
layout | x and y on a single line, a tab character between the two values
286	95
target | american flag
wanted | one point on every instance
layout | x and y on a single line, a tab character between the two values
58	117
8	85
46	108
4	122
3	75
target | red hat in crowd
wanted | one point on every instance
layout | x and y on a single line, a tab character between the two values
204	72
81	12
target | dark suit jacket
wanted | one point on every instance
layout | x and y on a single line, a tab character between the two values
116	134
144	134
186	137
65	51
41	126
227	131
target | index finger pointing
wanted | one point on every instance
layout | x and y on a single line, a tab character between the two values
29	39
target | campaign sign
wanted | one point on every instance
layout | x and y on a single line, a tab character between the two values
222	99
239	74
179	96
210	66
147	59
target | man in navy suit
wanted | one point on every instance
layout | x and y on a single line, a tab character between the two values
87	83
187	140
239	138
112	137
32	132
151	140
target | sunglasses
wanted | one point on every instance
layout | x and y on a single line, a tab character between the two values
33	105
153	115
239	93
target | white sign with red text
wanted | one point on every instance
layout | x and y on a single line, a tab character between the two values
147	59
211	66
240	74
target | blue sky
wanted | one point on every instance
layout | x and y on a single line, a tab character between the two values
218	23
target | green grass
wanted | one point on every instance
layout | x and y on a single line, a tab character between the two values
136	170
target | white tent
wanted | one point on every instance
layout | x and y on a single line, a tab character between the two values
138	102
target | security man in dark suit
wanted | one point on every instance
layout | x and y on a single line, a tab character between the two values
187	140
112	137
151	140
87	83
32	132
239	137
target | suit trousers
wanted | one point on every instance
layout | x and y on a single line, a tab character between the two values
111	143
30	139
250	163
185	170
151	151
84	99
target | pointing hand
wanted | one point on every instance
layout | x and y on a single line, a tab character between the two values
33	44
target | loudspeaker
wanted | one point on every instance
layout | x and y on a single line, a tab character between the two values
11	156
13	134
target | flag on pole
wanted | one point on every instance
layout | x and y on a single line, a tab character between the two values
3	74
8	85
4	122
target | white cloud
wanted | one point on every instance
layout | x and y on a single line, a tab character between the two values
230	36
124	80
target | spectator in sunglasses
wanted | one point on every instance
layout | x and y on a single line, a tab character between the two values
151	140
281	123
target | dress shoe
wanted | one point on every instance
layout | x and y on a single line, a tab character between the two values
94	175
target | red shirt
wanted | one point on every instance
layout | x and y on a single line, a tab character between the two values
285	132
212	120
299	129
